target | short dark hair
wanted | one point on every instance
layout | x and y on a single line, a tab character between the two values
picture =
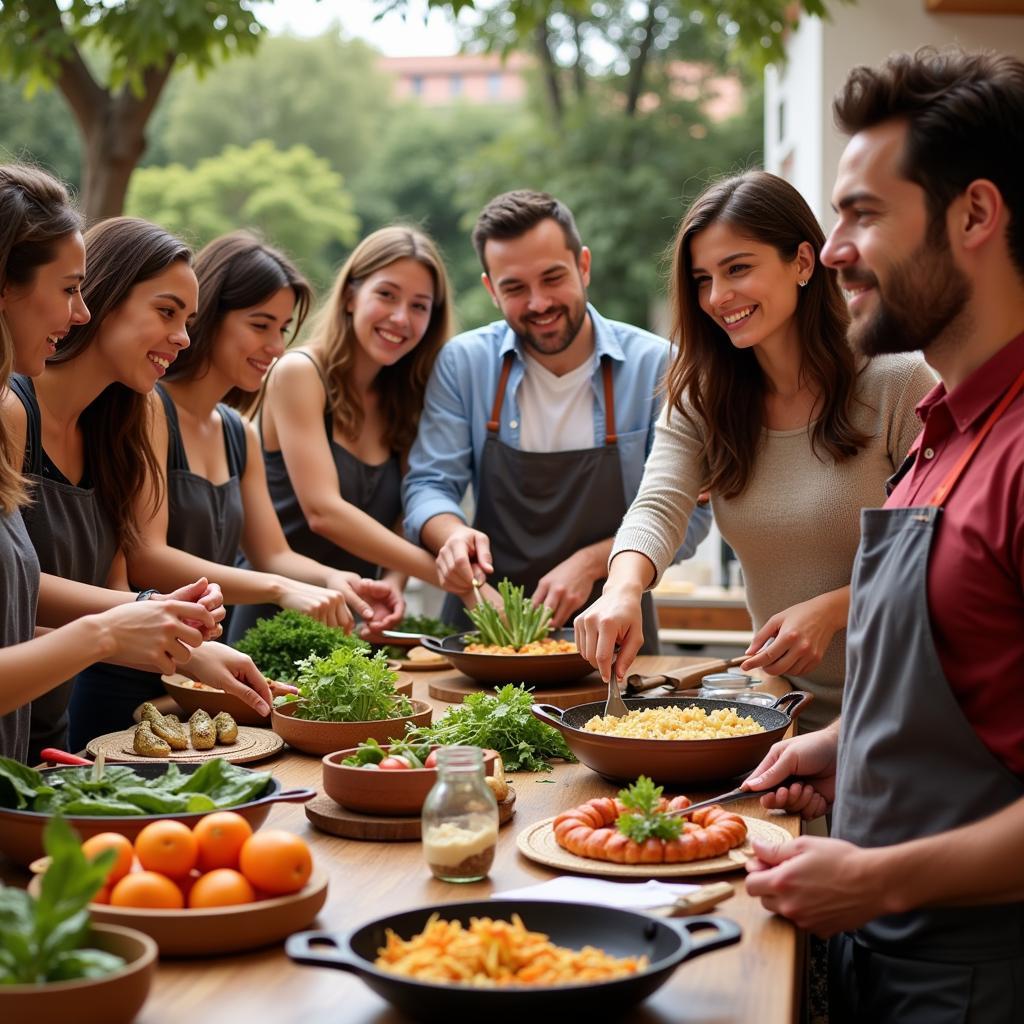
514	213
965	120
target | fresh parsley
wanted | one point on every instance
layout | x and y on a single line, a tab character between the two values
276	644
644	818
502	722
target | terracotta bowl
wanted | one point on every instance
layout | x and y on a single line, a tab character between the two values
325	737
375	792
538	670
678	762
213	701
21	832
113	999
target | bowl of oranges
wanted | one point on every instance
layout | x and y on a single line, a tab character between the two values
218	887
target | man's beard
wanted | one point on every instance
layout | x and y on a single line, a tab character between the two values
552	346
923	296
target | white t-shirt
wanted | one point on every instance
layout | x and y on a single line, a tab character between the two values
556	413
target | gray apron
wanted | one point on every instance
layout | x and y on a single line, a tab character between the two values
73	539
910	765
538	508
19	585
375	490
204	519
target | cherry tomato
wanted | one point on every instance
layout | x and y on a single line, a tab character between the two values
395	763
431	761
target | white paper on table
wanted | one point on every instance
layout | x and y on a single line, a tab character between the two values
626	895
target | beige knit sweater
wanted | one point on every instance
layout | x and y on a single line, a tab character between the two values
796	526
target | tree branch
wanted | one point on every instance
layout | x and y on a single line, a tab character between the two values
549	68
638	66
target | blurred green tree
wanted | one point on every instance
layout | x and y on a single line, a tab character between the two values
293	197
110	60
40	130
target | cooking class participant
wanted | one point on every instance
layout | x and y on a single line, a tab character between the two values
922	884
339	413
549	413
42	264
216	497
85	419
770	409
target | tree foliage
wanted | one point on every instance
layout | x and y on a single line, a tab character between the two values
293	197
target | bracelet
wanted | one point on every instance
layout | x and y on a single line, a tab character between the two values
145	595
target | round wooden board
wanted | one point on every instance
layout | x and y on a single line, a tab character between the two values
253	744
327	816
455	691
537	842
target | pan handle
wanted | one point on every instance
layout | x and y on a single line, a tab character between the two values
726	933
322	949
799	699
550	714
433	644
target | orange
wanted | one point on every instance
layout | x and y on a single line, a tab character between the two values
147	889
221	887
276	862
220	837
168	847
121	845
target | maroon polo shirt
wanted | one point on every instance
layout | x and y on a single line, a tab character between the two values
976	565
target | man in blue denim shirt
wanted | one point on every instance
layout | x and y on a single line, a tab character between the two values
549	413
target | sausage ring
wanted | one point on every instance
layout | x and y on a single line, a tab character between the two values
589	831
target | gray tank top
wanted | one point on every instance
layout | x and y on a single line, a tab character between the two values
19	580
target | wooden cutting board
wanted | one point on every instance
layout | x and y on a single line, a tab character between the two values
455	691
327	816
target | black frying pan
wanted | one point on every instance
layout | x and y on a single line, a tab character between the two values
666	942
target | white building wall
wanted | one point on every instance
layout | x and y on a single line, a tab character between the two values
820	55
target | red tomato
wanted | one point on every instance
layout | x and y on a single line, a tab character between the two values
395	763
431	761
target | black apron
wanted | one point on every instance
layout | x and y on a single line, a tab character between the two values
374	489
204	519
73	539
19	580
910	765
538	508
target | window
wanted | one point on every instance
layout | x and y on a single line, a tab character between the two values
416	85
494	85
455	85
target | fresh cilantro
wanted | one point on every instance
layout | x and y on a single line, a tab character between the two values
276	644
644	818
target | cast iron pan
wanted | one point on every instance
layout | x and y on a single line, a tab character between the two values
21	832
667	942
535	669
679	762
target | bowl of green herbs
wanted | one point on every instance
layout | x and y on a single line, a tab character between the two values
345	698
57	966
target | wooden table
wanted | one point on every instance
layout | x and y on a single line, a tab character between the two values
755	981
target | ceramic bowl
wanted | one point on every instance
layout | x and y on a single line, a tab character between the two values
313	737
371	791
115	998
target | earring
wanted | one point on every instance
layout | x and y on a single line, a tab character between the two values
803	284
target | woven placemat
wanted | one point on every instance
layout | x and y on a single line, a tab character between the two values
253	744
538	844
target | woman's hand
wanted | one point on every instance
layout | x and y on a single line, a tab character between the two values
792	642
613	620
327	606
204	593
812	759
157	633
230	670
379	603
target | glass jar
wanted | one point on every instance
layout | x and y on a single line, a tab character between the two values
460	818
734	686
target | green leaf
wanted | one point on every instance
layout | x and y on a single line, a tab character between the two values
647	821
19	784
84	963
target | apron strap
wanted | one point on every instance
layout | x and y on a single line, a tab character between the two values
499	395
947	485
610	437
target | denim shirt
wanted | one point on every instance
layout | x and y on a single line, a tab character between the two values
448	451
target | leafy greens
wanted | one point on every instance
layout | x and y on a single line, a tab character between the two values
503	722
418	624
346	686
522	622
42	939
278	643
120	790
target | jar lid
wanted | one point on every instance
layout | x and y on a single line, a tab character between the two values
727	680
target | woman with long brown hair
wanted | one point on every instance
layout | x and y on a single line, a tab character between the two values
339	414
42	265
771	412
